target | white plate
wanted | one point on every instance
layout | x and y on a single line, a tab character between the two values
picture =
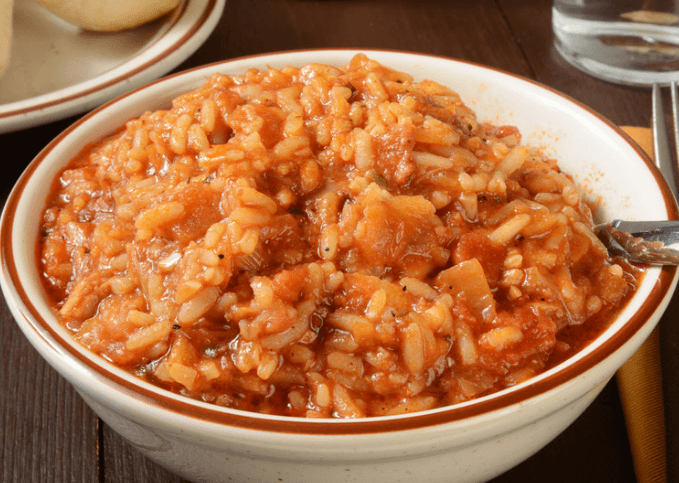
58	70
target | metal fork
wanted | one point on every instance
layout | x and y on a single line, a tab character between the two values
663	154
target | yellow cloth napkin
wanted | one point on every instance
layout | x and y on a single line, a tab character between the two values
640	385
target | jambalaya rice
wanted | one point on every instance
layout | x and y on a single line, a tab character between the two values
325	242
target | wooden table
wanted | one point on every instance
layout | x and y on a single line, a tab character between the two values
49	435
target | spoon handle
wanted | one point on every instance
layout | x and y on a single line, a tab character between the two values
665	231
654	242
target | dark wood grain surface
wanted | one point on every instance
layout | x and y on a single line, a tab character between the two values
50	435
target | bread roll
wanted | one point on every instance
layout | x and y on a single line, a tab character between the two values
108	15
5	32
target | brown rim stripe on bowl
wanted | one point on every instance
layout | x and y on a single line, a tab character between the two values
175	17
160	398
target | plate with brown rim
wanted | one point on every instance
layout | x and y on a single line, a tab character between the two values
58	70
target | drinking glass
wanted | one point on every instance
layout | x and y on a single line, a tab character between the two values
634	42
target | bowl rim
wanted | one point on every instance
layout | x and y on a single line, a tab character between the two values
164	400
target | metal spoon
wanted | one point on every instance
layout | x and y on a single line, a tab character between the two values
652	242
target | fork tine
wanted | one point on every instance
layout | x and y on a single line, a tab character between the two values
663	155
675	116
661	145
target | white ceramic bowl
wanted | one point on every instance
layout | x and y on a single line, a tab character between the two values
470	442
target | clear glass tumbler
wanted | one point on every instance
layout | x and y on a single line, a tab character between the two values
633	42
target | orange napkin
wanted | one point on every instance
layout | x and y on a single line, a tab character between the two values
640	385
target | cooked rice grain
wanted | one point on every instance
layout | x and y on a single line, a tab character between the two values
326	242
